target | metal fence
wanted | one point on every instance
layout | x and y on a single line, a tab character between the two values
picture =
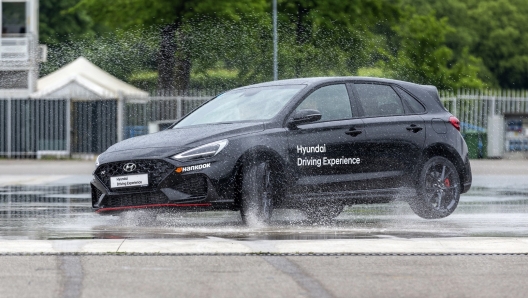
144	115
60	127
28	126
38	127
94	126
473	107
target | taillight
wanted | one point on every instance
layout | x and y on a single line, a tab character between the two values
455	122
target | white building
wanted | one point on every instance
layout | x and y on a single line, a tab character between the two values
19	50
83	80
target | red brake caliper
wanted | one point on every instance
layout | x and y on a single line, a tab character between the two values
447	183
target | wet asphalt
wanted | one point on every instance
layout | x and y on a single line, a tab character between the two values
496	206
52	205
64	212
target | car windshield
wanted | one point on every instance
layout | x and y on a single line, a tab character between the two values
249	104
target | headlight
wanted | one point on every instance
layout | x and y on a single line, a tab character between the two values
97	161
204	151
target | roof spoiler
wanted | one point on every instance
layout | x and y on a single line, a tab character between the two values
433	92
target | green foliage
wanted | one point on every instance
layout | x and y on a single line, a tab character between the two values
449	43
501	29
131	13
330	37
424	58
218	78
121	54
496	31
56	25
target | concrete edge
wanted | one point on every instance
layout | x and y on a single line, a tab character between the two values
464	245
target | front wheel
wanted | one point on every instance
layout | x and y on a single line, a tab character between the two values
257	194
438	189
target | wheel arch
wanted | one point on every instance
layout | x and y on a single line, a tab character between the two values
261	153
448	152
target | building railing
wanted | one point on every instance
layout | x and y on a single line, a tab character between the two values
15	47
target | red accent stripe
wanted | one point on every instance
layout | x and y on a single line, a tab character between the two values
152	206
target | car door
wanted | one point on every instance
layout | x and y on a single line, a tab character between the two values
394	138
325	156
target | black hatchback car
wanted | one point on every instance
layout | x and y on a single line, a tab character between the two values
316	144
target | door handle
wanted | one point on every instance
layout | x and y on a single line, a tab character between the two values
353	132
414	128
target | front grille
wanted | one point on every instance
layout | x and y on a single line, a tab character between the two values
194	186
155	168
96	194
135	199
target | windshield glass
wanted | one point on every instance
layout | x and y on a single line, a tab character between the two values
259	103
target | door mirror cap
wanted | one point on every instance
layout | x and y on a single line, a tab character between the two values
305	116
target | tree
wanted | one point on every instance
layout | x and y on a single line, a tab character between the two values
424	58
501	30
496	31
171	17
121	53
56	25
332	36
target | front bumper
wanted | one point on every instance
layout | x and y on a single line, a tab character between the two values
167	188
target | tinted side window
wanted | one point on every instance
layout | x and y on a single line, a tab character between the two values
379	100
415	105
332	101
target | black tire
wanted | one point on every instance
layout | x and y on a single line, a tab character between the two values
319	212
258	192
438	189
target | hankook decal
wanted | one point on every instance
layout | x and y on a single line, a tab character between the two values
193	168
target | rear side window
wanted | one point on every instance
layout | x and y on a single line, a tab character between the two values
379	100
332	101
414	104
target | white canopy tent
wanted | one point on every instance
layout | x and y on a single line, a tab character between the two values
82	79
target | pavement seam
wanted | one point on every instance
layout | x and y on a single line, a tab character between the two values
120	245
311	285
256	254
72	275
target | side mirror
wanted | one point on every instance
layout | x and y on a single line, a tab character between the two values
305	116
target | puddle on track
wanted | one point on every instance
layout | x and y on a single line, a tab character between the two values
64	212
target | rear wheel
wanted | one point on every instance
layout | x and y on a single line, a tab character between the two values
438	189
257	193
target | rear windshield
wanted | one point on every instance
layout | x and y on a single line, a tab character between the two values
249	104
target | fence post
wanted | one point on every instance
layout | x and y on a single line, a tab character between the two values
8	127
455	111
493	106
120	115
179	107
68	126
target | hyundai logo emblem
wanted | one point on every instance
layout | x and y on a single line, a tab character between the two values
129	167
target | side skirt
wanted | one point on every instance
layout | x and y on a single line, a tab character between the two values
352	197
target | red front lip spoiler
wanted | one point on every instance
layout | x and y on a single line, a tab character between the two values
152	206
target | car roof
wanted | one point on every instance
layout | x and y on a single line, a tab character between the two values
319	80
427	93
